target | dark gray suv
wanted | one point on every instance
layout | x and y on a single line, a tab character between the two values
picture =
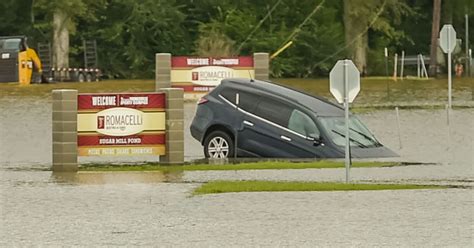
256	118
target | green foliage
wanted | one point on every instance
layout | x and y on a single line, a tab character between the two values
15	17
75	10
319	38
129	32
213	42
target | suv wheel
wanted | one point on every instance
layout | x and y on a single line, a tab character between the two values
218	144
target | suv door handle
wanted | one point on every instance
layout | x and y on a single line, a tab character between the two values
285	138
248	123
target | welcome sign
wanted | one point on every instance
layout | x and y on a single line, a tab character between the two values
121	124
202	74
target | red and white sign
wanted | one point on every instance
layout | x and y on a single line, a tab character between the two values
203	74
141	139
121	124
184	61
130	100
120	121
210	75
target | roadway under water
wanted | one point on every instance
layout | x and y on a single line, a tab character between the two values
39	208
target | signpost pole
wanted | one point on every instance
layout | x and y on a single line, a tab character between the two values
418	62
346	110
395	61
449	80
402	64
470	61
449	72
344	85
447	42
467	47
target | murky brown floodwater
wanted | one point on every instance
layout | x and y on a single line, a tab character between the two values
26	126
38	208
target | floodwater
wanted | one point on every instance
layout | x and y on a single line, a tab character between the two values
425	137
39	208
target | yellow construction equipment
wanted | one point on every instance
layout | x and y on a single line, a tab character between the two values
18	61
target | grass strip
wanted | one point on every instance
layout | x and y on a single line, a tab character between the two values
216	187
268	165
371	108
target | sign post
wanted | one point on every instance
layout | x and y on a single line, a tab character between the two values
447	42
470	61
344	84
468	65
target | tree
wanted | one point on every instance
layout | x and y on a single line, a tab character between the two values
356	23
434	36
63	16
252	26
212	42
362	15
15	18
129	33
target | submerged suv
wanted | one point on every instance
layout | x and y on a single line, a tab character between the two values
253	118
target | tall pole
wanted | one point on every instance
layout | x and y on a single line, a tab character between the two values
434	36
402	64
468	67
449	71
346	110
449	80
395	66
418	65
470	60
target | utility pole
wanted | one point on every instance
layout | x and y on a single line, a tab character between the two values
434	36
468	66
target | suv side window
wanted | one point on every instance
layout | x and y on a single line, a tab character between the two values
287	117
303	124
229	94
274	111
247	101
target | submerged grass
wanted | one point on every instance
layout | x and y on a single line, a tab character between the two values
380	90
216	187
371	108
269	165
44	90
374	90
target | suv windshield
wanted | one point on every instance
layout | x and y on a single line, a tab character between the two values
359	135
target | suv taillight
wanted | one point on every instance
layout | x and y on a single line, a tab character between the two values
202	100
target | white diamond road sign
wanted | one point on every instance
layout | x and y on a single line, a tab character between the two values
344	69
447	38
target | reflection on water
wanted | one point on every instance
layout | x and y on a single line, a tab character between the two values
25	135
40	208
80	178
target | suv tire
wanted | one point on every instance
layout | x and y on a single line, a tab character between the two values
218	144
